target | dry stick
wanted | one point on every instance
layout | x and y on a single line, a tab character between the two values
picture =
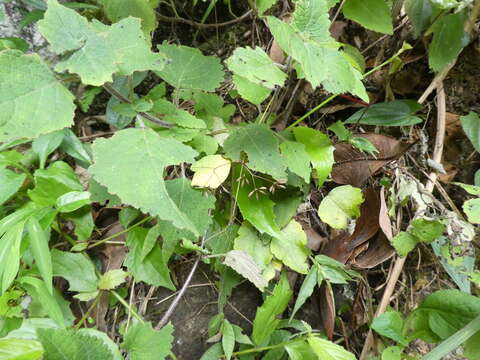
163	321
112	91
204	26
400	262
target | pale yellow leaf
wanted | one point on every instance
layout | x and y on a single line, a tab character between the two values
210	171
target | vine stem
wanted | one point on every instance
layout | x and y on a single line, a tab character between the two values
173	305
201	25
114	92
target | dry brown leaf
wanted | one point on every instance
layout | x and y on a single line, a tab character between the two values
384	218
327	309
342	247
354	167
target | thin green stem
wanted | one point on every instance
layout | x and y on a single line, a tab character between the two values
368	73
269	347
87	314
127	306
454	341
316	108
102	241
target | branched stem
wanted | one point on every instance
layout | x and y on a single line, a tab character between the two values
112	91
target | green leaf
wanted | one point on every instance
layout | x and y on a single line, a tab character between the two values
87	98
44	145
192	202
20	349
442	314
111	279
341	131
264	5
291	247
333	271
10	254
392	353
341	204
214	352
228	339
390	325
261	146
210	171
319	149
30	95
73	146
40	250
298	160
143	342
256	246
205	144
256	66
392	113
97	51
403	243
83	221
255	206
240	337
190	69
364	145
105	339
327	350
306	290
141	186
266	321
426	230
471	127
250	91
67	345
11	183
37	290
255	74
371	14
153	269
471	189
72	201
116	10
13	43
300	351
77	269
244	264
472	210
336	75
150	241
419	13
449	30
53	182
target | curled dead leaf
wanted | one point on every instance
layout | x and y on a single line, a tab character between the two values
354	167
368	245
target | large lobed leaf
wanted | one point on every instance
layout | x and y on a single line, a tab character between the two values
29	95
261	146
98	50
190	69
131	165
308	42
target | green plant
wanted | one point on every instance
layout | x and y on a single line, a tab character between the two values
188	180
